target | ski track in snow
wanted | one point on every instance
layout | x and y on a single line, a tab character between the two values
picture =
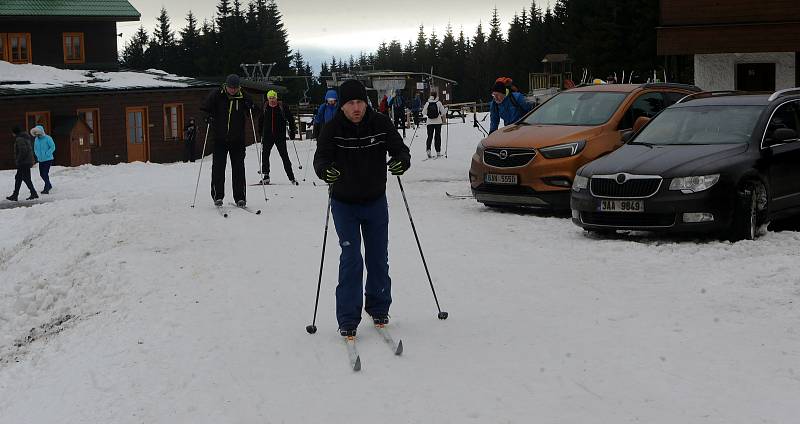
120	303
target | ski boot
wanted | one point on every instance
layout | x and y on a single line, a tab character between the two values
217	202
241	203
33	196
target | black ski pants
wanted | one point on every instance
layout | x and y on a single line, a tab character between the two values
434	129
188	151
400	122
220	160
280	143
23	176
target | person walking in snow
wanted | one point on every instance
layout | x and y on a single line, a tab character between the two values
23	160
506	104
43	148
416	109
275	119
398	105
189	138
326	112
227	109
436	115
351	157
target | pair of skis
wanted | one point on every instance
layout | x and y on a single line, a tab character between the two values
352	351
223	211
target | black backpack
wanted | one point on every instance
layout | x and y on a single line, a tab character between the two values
433	110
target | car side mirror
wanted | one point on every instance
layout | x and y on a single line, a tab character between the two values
782	135
626	136
640	123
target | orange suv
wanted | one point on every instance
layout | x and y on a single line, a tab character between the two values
532	163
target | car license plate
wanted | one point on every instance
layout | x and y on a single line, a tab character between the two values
621	206
501	179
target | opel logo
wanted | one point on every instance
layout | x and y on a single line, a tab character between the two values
621	178
504	154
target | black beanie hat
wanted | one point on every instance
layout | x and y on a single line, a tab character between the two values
499	87
352	90
233	81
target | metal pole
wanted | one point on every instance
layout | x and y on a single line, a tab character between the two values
313	327
202	157
258	154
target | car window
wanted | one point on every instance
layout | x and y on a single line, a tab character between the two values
786	116
722	124
647	105
580	108
671	97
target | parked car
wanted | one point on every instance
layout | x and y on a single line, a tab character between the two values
715	162
533	162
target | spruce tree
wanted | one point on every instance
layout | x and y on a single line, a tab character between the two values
133	55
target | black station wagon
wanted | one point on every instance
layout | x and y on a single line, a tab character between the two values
721	162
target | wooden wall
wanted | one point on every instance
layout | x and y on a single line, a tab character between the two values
710	12
113	142
47	46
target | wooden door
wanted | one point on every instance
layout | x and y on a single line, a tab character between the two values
137	134
81	151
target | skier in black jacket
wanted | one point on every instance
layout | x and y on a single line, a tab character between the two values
227	109
275	119
351	157
23	160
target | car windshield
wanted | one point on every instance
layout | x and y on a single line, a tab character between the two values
579	108
726	124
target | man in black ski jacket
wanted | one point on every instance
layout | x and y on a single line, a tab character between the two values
189	137
228	108
351	157
23	160
275	119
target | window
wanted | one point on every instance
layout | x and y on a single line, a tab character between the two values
647	105
19	47
786	116
33	119
3	44
92	119
173	121
73	47
577	108
755	77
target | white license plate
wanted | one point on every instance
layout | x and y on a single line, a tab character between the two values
621	206
501	179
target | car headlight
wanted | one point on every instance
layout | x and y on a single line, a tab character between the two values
563	150
479	150
697	184
580	183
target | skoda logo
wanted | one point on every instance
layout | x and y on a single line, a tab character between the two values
504	154
621	178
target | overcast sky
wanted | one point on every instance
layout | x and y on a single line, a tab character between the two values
321	28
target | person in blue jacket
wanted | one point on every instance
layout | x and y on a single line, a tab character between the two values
506	104
43	148
326	112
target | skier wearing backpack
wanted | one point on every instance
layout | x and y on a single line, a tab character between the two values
507	104
436	114
398	104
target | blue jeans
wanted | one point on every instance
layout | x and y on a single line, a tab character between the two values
44	172
352	221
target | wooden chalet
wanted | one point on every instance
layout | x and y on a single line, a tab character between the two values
126	116
733	44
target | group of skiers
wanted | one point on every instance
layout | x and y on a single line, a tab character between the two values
353	141
38	147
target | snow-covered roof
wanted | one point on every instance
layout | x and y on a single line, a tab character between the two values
29	79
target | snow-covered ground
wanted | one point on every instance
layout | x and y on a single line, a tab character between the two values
121	304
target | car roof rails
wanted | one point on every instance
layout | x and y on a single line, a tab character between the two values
786	92
709	94
671	85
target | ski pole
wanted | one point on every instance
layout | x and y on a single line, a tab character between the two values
300	164
442	315
203	156
447	136
313	327
413	137
258	153
308	159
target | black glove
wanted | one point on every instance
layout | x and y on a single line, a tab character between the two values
209	119
398	166
331	174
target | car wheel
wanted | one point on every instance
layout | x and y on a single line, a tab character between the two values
746	217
